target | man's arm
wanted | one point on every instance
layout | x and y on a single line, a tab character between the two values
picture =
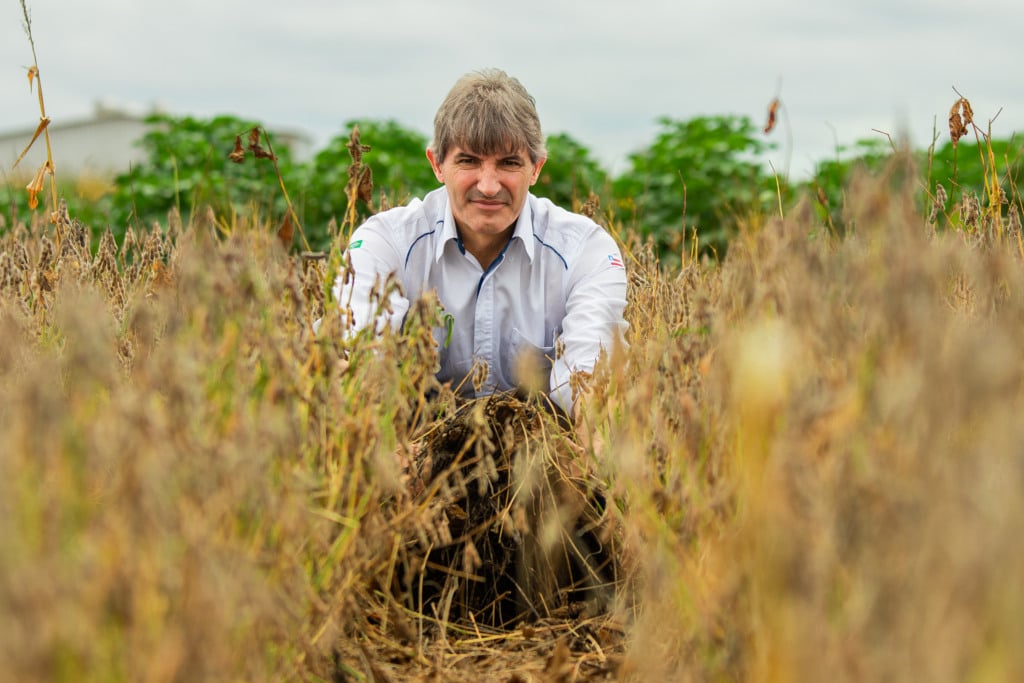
593	322
374	259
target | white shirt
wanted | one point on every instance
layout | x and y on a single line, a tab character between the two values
559	283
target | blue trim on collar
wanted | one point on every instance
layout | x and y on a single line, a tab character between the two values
560	257
408	254
494	264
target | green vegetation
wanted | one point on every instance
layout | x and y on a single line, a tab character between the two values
188	168
701	178
698	175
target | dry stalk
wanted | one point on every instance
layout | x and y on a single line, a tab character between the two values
286	230
360	182
48	168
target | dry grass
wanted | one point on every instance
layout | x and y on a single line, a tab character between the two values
807	464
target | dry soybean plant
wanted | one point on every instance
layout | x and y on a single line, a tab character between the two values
806	463
48	168
988	216
843	504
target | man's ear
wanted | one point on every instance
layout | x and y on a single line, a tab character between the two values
434	164
536	169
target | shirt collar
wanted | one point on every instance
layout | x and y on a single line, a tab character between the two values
523	230
524	227
448	231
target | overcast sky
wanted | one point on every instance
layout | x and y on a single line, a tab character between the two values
602	71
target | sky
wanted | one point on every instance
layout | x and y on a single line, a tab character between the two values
602	71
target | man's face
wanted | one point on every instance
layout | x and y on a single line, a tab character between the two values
486	192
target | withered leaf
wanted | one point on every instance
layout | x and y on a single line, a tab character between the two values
355	148
257	150
237	155
33	71
960	116
966	111
286	232
261	153
365	190
773	108
36	186
43	123
822	197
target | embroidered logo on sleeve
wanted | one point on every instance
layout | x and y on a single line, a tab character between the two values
615	261
356	244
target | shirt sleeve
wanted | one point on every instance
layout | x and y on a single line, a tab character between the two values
375	264
593	322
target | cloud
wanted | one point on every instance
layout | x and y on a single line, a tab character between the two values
602	71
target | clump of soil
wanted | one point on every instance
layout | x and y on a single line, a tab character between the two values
516	527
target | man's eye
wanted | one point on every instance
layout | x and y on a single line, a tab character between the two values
511	163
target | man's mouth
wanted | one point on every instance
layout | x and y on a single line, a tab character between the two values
489	203
499	199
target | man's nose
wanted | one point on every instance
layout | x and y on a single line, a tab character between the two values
488	183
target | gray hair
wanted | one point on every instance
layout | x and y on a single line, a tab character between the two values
488	112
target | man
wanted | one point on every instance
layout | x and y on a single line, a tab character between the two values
514	273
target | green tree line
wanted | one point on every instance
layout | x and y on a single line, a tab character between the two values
699	178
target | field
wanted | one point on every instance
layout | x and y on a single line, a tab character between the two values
808	460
